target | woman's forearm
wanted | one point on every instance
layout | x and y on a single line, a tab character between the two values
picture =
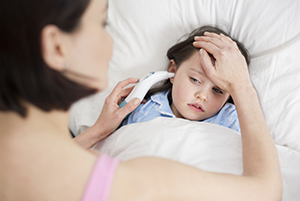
259	152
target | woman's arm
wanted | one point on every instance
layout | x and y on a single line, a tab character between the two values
160	179
259	151
110	117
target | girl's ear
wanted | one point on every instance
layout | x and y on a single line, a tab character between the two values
172	69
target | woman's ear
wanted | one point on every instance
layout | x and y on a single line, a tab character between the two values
172	69
54	47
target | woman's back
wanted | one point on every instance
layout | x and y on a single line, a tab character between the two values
38	164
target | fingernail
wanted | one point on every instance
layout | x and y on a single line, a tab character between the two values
136	101
201	51
196	37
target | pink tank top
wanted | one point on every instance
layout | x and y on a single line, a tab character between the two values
98	187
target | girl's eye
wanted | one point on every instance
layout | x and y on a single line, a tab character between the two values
218	90
194	80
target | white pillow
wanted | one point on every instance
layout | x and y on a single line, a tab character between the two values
143	31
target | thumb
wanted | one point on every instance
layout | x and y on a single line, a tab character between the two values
129	107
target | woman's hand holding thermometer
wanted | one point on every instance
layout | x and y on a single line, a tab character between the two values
145	83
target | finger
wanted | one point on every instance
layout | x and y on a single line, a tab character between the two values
228	40
129	107
206	63
209	47
125	92
218	41
211	34
115	94
220	37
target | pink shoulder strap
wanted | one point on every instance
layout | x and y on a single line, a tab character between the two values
98	187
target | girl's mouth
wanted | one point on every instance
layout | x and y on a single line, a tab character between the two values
196	107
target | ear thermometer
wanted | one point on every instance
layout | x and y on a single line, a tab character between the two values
145	83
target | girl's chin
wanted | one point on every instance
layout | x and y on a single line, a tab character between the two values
192	118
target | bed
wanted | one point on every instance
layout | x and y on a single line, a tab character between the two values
143	31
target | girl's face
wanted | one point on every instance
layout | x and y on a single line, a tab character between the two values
195	96
91	48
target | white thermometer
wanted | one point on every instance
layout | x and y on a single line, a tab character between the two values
145	83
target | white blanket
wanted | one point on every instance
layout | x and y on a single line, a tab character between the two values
207	146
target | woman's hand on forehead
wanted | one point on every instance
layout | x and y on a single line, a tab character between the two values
230	68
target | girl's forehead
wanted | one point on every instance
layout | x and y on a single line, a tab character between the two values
193	64
198	70
193	61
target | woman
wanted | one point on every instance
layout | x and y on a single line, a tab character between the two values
55	52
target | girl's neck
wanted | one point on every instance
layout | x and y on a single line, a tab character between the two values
37	123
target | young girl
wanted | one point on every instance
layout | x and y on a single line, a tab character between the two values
190	94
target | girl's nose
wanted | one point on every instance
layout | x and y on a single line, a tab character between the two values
202	95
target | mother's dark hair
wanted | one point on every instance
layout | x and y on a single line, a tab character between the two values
183	50
24	75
